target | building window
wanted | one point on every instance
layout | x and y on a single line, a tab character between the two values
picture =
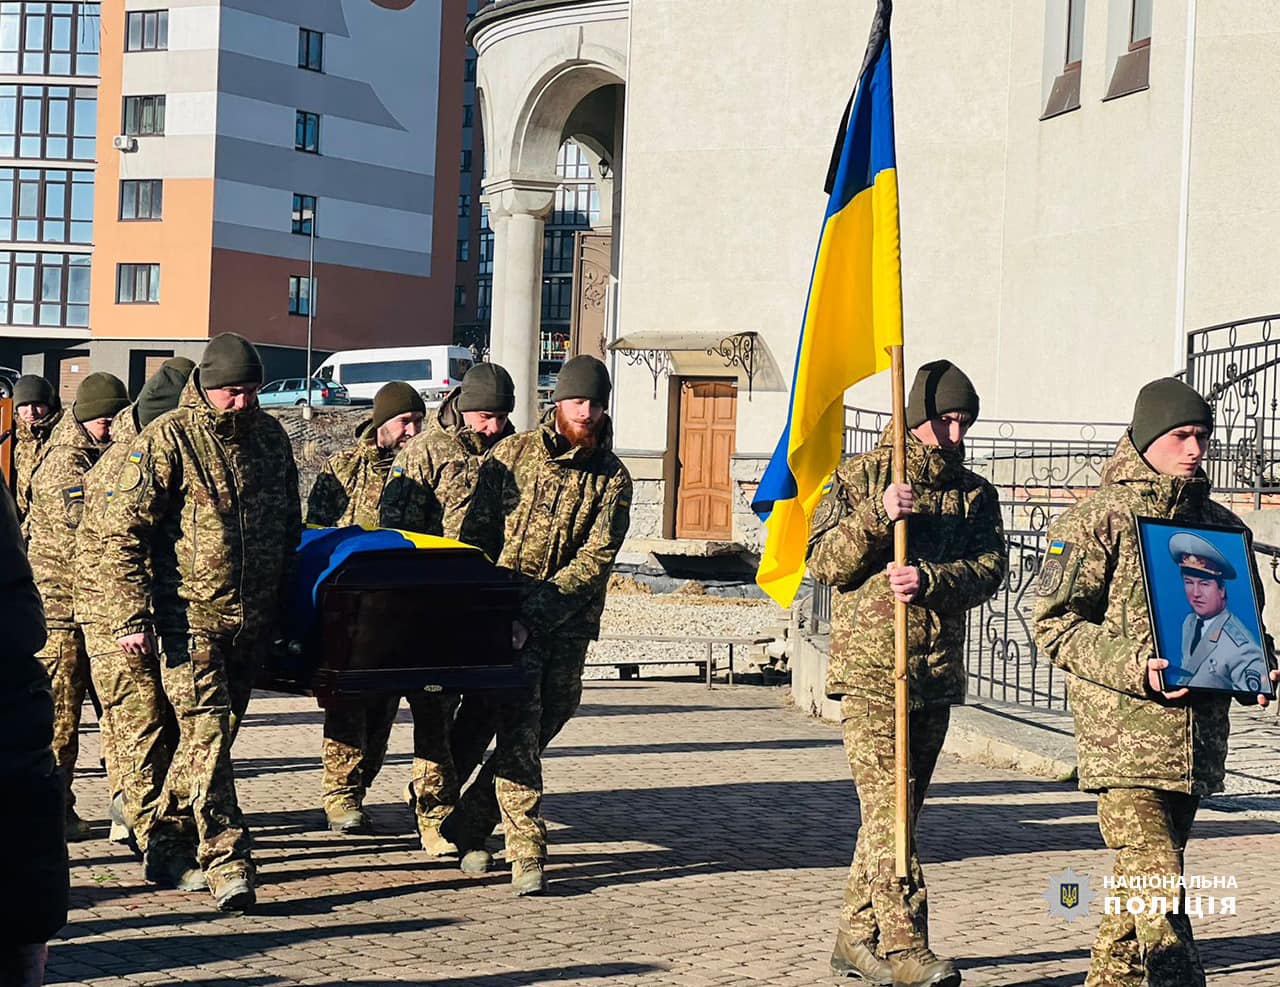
307	132
310	50
1140	23
144	116
1131	71
46	205
464	250
466	162
51	122
147	30
49	39
485	252
468	115
43	289
557	251
460	296
137	284
1064	94
469	70
557	299
304	214
484	298
299	295
141	199
464	206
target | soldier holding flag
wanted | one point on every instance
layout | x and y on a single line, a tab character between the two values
958	562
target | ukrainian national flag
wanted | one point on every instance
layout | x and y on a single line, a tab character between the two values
853	317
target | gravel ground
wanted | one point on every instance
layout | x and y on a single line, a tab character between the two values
677	614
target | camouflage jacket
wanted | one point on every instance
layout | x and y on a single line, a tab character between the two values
556	516
29	443
1092	620
88	586
435	475
202	531
349	488
956	539
57	505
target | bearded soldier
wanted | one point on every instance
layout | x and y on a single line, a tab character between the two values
1150	755
430	490
201	536
553	505
349	491
57	504
37	411
137	729
957	562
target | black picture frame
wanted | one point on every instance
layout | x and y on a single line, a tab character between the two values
1206	618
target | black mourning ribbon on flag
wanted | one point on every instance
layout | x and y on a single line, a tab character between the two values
879	34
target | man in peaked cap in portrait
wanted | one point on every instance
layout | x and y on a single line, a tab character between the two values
1218	651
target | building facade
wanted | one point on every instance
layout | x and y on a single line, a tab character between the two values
236	137
1082	185
49	66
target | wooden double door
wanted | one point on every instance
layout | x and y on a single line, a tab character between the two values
706	440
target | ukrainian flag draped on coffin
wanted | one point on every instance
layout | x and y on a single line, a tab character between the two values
853	317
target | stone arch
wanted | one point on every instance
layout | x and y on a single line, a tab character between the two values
553	95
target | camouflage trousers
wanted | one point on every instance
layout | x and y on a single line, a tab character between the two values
138	728
509	784
1148	829
208	681
355	744
67	665
450	736
881	909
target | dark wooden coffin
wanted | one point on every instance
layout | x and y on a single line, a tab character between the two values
403	621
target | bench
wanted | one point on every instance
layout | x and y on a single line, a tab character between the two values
707	660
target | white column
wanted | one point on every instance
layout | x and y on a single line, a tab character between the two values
517	212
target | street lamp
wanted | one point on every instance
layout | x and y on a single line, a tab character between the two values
307	409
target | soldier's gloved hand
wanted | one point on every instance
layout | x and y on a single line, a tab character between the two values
904	581
1154	666
899	500
138	645
519	635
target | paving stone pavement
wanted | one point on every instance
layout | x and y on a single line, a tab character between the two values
698	838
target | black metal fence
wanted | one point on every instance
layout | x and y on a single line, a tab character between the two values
1236	366
1040	469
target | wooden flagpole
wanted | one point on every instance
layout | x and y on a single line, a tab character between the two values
901	731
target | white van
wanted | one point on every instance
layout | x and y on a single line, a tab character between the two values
432	370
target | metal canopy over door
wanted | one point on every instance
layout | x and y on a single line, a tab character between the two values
708	429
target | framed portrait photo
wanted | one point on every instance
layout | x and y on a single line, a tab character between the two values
1205	614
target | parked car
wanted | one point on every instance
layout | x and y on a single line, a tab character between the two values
431	370
292	391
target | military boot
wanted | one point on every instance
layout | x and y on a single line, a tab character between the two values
77	829
349	819
232	892
177	870
527	877
120	831
855	958
476	862
434	844
920	968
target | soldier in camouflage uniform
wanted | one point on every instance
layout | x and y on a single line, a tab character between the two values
349	491
553	505
202	534
37	412
137	728
1149	755
57	503
430	491
958	557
